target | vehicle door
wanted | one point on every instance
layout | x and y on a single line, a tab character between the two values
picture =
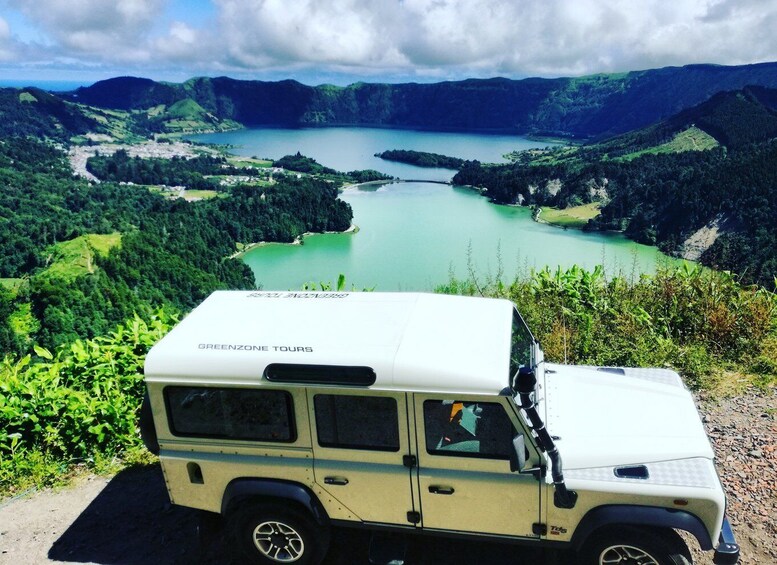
360	441
464	475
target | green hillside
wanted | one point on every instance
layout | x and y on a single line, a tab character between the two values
691	139
184	116
33	112
77	257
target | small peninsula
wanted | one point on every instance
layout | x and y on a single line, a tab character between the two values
422	159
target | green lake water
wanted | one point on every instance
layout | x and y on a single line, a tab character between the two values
413	235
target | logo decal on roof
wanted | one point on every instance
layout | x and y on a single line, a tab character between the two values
245	347
298	295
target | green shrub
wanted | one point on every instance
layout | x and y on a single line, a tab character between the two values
76	403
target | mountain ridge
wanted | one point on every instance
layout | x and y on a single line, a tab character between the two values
589	107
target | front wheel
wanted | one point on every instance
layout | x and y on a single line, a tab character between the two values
270	534
634	546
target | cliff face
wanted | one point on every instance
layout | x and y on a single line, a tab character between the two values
588	107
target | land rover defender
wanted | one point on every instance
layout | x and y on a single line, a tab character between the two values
291	412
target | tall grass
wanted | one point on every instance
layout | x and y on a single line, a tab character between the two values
703	323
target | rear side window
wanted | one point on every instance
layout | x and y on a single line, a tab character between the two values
357	422
231	413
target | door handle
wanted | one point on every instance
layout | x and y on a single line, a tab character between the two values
435	489
335	481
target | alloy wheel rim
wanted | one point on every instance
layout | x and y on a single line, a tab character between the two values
626	555
278	541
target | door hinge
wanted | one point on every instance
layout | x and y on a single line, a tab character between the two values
413	517
409	461
539	529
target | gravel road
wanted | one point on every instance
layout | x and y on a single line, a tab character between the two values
127	519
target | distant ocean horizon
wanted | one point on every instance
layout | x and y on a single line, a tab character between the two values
50	85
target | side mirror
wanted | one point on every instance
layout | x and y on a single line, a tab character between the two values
518	454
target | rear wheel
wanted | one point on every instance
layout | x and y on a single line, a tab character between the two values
270	534
633	546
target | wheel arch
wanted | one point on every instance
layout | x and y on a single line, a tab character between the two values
271	489
146	425
646	516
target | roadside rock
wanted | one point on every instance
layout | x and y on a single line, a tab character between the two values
743	431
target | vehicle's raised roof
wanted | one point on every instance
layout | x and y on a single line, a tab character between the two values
413	341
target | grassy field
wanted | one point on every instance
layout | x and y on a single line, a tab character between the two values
73	258
116	122
27	97
249	162
692	139
534	157
199	194
11	284
573	217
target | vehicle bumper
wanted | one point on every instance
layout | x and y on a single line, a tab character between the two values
727	552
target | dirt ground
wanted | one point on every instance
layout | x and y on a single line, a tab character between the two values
127	519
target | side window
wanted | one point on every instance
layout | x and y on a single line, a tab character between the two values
231	413
467	429
357	422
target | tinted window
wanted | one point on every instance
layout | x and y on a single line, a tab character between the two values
357	422
231	413
467	429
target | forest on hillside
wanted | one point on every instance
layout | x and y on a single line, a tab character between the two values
177	171
660	195
661	199
171	252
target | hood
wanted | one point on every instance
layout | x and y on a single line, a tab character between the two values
612	417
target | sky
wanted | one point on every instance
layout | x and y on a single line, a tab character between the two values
344	41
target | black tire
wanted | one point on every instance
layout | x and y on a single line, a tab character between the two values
272	534
641	546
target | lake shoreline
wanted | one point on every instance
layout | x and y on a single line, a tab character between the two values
414	236
299	240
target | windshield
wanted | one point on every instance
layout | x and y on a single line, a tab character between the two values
521	350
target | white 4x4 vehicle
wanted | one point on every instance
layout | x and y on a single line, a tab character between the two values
290	412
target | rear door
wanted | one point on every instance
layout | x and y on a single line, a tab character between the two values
359	443
464	475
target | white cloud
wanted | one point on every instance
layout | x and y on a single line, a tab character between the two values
425	38
181	43
95	28
336	32
8	46
5	36
517	37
